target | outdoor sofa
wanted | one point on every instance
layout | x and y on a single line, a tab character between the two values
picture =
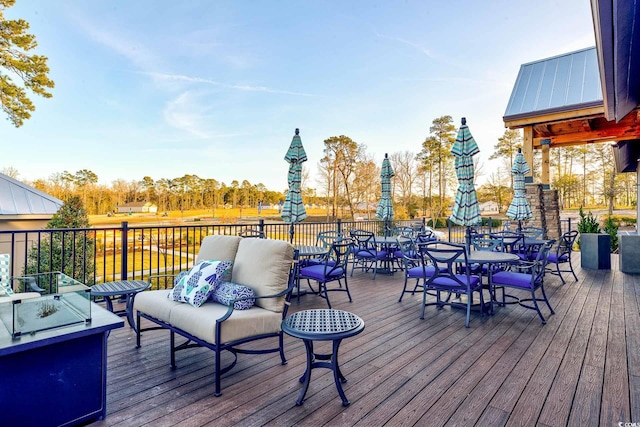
264	266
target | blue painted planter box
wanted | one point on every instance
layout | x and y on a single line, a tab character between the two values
595	251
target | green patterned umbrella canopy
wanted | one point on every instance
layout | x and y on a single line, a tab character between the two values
293	210
465	210
385	207
519	209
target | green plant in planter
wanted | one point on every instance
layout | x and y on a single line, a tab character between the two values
611	228
588	223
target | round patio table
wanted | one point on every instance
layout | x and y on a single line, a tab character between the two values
127	288
490	257
322	325
387	244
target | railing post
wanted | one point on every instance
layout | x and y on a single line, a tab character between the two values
339	226
448	226
124	240
490	224
261	227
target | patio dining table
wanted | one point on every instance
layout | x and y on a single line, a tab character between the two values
490	258
386	243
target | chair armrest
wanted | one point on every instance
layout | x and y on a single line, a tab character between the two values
230	306
31	282
157	276
523	266
164	276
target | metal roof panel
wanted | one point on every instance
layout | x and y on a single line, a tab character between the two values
562	83
18	198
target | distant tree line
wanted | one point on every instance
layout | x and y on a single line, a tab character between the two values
348	182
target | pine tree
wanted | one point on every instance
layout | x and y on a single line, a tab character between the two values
68	251
15	42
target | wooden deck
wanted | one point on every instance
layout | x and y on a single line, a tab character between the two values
582	368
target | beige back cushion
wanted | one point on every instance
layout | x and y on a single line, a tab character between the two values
263	265
219	248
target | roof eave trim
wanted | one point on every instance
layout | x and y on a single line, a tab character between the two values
576	110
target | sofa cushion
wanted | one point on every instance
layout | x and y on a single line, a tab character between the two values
226	292
264	265
196	286
201	322
155	304
223	248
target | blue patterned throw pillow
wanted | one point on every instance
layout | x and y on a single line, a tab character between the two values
228	291
179	277
196	286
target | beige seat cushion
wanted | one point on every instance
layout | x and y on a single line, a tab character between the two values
155	304
201	321
264	265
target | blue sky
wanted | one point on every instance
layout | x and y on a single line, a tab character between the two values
216	88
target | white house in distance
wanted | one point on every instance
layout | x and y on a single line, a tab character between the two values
138	207
489	207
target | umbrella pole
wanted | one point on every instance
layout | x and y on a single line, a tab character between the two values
519	226
291	232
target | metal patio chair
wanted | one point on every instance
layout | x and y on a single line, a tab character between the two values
6	289
333	269
562	255
252	233
445	254
365	251
529	278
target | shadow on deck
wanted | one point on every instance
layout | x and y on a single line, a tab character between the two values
582	368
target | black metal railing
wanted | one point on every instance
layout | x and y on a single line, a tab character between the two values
97	255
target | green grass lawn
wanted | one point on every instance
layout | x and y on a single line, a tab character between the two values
108	267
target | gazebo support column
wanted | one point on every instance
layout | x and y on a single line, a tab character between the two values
552	213
545	209
536	201
527	151
544	177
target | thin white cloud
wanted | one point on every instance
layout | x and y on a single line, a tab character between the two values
182	113
248	88
409	43
139	55
188	114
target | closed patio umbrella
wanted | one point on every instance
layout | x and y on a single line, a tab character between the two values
385	207
466	210
293	210
519	209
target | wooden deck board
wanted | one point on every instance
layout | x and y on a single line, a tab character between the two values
632	327
615	390
557	406
582	368
511	390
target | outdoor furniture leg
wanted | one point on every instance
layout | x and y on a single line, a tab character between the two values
306	378
337	375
